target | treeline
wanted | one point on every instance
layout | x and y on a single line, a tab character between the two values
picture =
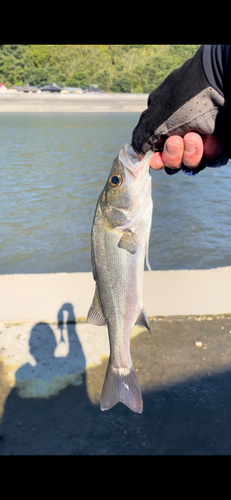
115	68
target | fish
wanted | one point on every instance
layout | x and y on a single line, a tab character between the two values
119	243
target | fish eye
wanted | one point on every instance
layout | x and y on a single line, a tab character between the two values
115	180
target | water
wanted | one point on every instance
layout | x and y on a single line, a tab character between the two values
53	167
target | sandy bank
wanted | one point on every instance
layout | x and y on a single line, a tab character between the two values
72	103
38	297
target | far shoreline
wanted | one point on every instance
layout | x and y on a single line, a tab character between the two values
72	103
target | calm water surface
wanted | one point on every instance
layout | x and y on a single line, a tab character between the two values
53	167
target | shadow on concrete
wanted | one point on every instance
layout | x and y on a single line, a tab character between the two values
48	371
189	417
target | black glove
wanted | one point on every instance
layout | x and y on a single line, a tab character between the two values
186	102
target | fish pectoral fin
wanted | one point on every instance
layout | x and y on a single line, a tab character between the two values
142	320
127	242
95	314
146	256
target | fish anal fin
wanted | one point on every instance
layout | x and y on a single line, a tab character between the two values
127	242
95	314
142	320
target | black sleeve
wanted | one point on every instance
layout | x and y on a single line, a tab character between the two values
216	60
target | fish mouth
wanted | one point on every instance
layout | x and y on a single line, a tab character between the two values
128	158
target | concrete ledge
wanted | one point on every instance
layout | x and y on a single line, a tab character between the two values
39	297
188	292
68	103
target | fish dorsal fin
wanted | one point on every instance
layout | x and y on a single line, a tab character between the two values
95	314
127	242
142	320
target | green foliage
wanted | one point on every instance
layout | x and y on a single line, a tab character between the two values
37	76
121	84
115	68
79	78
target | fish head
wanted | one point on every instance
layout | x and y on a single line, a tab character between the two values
127	192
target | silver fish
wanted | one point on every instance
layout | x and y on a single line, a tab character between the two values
119	241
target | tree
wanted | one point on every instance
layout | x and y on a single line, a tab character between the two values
121	84
103	79
116	68
78	78
38	76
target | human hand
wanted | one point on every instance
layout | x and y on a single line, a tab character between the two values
186	123
187	150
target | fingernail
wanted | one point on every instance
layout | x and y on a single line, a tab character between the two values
172	149
190	147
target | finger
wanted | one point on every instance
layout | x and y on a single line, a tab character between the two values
212	147
193	149
173	151
156	161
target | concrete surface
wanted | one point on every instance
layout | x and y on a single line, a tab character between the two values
186	392
44	102
52	367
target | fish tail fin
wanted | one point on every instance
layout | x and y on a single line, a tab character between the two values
121	385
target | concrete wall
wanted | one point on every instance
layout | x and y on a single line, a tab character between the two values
38	297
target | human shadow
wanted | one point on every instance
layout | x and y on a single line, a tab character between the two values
48	372
48	391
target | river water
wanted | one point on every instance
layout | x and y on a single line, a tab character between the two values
53	167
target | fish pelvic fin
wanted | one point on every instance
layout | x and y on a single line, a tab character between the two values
121	385
95	314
